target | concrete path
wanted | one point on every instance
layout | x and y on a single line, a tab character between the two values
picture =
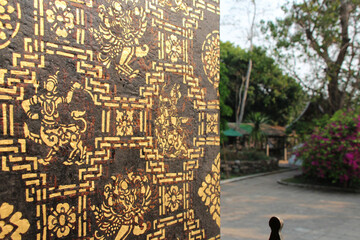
247	205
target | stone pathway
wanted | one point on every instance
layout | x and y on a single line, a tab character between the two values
247	205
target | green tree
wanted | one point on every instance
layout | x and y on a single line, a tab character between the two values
276	95
225	110
257	136
325	35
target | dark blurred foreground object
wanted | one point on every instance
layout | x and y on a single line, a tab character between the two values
276	225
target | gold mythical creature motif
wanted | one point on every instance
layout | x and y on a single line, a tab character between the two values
169	127
123	23
52	133
126	200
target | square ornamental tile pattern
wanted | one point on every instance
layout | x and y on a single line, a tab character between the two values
109	119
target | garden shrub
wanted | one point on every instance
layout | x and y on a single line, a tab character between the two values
332	153
252	154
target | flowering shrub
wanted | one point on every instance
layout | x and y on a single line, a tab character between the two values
333	152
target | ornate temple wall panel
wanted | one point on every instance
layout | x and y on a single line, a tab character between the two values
109	119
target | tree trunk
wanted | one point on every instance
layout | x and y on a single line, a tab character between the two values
248	73
247	81
336	96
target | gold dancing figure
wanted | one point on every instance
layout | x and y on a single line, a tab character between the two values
52	133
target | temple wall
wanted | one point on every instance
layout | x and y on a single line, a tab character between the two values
109	119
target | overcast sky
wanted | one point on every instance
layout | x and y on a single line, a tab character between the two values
236	17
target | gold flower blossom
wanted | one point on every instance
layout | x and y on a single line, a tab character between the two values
210	191
212	123
173	198
173	48
62	219
61	18
10	14
211	57
10	221
125	123
5	11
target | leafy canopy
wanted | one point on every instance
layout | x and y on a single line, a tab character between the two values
318	42
271	92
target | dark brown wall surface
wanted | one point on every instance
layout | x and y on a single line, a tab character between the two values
109	119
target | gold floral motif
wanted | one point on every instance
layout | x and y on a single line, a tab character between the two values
173	198
212	123
126	200
125	123
62	220
12	226
61	18
169	127
211	57
9	24
210	190
173	48
123	23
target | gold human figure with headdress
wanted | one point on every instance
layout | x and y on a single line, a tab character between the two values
52	133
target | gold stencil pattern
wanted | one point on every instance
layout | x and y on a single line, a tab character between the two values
131	24
210	191
210	57
61	220
12	225
169	130
53	134
107	120
125	122
61	18
173	198
126	200
10	14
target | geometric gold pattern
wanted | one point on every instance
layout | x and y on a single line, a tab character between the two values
109	116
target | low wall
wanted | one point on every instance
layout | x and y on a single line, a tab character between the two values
244	167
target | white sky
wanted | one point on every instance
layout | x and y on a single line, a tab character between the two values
236	17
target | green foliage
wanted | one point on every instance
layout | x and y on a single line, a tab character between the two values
271	92
305	128
324	35
252	155
333	152
225	110
257	136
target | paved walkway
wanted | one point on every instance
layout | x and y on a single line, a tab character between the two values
247	205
